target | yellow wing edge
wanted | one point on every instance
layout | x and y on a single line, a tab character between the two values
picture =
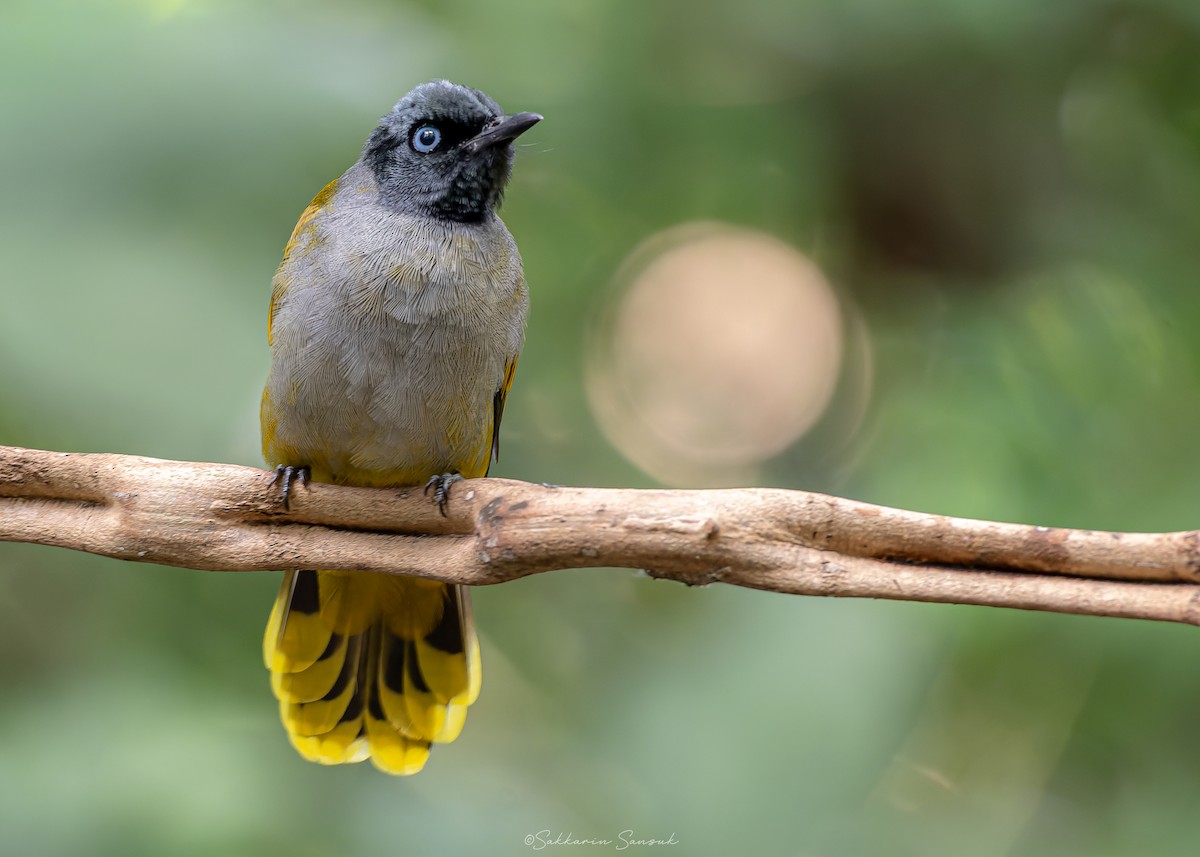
306	218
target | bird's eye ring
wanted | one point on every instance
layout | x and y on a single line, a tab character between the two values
425	139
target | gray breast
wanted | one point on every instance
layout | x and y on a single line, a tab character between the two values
391	337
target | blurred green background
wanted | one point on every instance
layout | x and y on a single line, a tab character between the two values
1005	197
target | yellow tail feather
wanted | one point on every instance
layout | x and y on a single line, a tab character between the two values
341	745
315	682
371	666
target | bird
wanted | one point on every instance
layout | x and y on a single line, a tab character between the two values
396	319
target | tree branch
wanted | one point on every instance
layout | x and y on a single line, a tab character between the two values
228	518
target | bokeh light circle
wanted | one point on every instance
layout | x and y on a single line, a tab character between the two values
720	347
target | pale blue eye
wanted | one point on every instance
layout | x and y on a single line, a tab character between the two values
426	138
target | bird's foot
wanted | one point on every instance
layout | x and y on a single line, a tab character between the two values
440	485
287	475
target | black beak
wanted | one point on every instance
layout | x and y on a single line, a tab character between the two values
503	130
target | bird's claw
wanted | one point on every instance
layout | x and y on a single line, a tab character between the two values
288	474
440	485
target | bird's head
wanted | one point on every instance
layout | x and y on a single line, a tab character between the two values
445	151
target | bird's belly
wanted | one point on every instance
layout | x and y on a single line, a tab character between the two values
383	407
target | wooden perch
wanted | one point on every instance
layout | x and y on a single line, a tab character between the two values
228	518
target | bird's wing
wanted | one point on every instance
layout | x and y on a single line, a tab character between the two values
510	370
280	283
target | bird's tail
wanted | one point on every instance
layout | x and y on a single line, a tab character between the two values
371	666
